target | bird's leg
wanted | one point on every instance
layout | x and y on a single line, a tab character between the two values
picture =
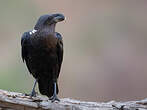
54	97
33	93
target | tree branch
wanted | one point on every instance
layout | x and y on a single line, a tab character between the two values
19	101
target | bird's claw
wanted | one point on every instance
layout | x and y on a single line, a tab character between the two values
54	98
33	94
119	108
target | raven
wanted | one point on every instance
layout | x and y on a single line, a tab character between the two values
42	51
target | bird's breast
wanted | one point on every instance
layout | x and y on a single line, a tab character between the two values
50	41
44	41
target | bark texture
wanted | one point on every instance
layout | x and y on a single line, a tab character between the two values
19	101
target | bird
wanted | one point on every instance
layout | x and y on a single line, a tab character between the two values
42	51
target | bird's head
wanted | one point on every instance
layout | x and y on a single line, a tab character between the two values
47	21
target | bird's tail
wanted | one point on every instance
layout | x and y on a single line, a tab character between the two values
46	87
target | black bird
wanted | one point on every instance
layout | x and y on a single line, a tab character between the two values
42	51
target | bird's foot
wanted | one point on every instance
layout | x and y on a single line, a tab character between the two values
54	98
33	94
119	108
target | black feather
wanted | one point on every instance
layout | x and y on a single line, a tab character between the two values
42	51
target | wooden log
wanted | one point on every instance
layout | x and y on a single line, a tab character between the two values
20	101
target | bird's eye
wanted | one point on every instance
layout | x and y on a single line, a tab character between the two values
48	21
49	18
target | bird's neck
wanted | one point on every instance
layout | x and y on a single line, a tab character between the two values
50	29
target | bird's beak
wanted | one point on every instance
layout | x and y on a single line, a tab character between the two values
58	18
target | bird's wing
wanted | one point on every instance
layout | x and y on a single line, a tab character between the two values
59	51
25	43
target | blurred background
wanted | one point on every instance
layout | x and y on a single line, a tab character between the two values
105	55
